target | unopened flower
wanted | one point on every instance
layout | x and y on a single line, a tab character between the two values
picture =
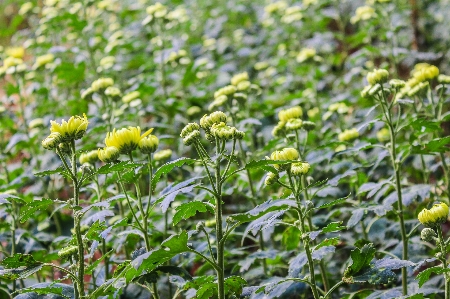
114	93
73	129
189	128
222	131
287	114
108	154
280	129
243	85
377	76
67	252
308	125
162	155
271	178
125	140
348	135
207	121
286	154
294	124
444	79
87	93
52	141
436	215
36	123
11	61
101	84
131	96
43	60
383	135
192	137
149	144
16	52
107	62
428	234
238	78
89	157
227	91
300	168
305	54
397	83
363	13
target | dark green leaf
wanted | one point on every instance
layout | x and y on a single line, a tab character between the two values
19	266
190	209
262	209
168	167
59	170
36	205
234	285
423	276
333	227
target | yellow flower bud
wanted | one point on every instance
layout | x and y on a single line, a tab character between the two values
436	215
131	96
286	154
52	141
348	135
216	117
222	131
305	54
238	78
280	129
383	135
287	114
108	154
16	52
101	84
300	168
227	90
148	144
189	128
113	92
89	157
377	76
294	124
271	178
162	155
191	137
126	139
43	60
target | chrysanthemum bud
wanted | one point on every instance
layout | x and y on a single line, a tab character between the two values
114	93
238	78
348	135
397	83
191	137
189	128
200	225
162	155
280	129
377	76
308	125
383	135
436	215
444	79
216	117
287	114
148	144
87	94
52	141
240	96
131	96
428	234
271	178
244	85
227	90
239	134
374	89
68	251
101	84
300	168
108	154
285	154
294	124
222	131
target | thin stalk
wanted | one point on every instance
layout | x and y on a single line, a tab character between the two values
444	261
77	223
219	229
332	289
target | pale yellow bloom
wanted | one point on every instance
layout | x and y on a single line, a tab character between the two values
125	140
434	216
73	129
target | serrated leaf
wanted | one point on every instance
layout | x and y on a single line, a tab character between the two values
328	242
333	203
19	266
234	285
59	170
45	288
333	227
424	275
262	209
291	238
124	165
437	145
168	167
31	208
190	209
361	258
167	196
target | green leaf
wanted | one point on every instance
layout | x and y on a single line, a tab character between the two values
125	165
19	266
60	289
36	205
234	285
424	276
327	242
291	238
438	145
168	167
59	170
94	265
263	209
333	203
190	209
333	227
361	258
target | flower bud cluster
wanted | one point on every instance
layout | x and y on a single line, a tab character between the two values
422	74
101	84
295	167
162	155
289	120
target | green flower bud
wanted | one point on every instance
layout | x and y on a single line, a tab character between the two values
239	135
108	154
444	79
428	234
162	155
374	89
68	251
52	141
397	84
89	157
131	96
189	128
280	129
377	76
244	85
148	144
227	90
87	94
300	168
114	93
294	124
101	84
222	131
238	78
191	137
216	117
348	135
240	96
309	125
271	178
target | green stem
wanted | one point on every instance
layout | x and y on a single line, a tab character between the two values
444	261
333	288
219	229
77	222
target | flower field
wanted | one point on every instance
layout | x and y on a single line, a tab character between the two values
224	149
